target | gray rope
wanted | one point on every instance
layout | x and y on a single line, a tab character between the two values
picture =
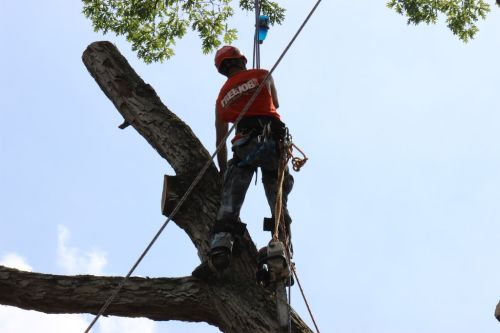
200	174
305	300
256	46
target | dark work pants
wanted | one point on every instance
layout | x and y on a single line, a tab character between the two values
239	175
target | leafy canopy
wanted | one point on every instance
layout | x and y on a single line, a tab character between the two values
153	26
461	15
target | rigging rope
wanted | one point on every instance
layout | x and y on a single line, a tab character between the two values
202	171
294	272
305	299
290	304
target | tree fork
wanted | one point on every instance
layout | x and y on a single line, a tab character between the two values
233	302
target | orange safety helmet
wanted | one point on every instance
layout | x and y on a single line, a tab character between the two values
227	52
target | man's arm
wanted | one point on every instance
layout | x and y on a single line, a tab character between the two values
221	129
272	91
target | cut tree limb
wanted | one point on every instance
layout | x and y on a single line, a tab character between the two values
233	307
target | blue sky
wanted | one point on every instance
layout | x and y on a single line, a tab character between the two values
396	215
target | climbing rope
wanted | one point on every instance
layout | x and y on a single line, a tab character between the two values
202	171
256	44
278	205
297	162
294	273
305	299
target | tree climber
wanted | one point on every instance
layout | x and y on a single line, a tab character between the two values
257	143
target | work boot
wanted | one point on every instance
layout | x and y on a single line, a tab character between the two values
220	250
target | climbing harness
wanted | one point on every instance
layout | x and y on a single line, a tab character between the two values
261	146
200	175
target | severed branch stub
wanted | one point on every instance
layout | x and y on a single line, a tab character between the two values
172	192
124	125
234	302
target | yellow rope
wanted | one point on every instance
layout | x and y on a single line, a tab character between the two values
278	206
297	163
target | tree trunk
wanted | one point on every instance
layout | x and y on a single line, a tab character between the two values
234	302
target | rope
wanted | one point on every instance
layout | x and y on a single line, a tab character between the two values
292	267
202	171
285	156
294	271
289	254
256	44
297	162
290	304
278	205
305	299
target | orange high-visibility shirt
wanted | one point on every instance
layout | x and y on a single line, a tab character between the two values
238	90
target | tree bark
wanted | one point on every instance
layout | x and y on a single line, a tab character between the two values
232	302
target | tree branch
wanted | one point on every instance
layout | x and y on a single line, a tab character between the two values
245	308
157	299
141	107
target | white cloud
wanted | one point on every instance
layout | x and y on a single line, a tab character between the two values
14	320
93	262
73	261
14	260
